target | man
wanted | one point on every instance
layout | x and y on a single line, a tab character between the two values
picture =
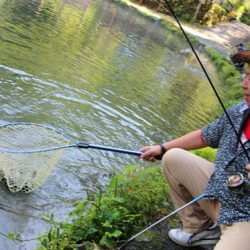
224	183
239	65
240	47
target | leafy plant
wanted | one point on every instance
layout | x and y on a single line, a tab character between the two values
228	74
206	153
215	15
133	199
245	18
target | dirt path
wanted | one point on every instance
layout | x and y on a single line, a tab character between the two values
222	37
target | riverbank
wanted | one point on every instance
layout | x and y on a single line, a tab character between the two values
222	37
110	218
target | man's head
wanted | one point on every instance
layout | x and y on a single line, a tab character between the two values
241	56
240	47
244	57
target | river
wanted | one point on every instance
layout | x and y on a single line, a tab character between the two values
103	74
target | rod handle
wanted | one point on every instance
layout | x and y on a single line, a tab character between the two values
117	150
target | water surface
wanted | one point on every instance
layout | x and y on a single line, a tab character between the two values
103	74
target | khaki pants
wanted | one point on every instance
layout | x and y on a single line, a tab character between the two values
187	176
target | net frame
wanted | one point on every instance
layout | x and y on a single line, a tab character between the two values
24	170
27	179
74	143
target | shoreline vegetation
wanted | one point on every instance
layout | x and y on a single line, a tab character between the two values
135	198
226	71
206	13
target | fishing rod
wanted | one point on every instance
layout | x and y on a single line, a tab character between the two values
208	78
162	219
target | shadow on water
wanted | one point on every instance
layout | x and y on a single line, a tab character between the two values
103	74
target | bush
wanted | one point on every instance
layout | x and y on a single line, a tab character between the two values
133	200
208	13
206	153
184	9
228	74
227	70
214	15
245	18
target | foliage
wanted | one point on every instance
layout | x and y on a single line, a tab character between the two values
133	199
208	13
206	153
184	9
245	17
15	236
226	11
215	15
230	76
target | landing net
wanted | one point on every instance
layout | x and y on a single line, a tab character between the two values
26	172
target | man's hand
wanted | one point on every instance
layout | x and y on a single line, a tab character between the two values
150	153
248	169
189	141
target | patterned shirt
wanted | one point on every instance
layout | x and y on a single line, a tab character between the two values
230	160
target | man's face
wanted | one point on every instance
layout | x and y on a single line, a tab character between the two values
246	85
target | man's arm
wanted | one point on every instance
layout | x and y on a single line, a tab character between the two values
189	141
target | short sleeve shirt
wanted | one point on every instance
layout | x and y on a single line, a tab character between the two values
230	160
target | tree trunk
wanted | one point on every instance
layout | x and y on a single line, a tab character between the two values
161	2
198	8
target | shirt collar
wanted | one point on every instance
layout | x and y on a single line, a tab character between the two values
243	107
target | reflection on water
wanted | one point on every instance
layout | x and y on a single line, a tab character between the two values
101	73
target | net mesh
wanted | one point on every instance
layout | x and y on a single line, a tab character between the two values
26	172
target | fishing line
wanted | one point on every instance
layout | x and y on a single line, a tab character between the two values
225	111
208	78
